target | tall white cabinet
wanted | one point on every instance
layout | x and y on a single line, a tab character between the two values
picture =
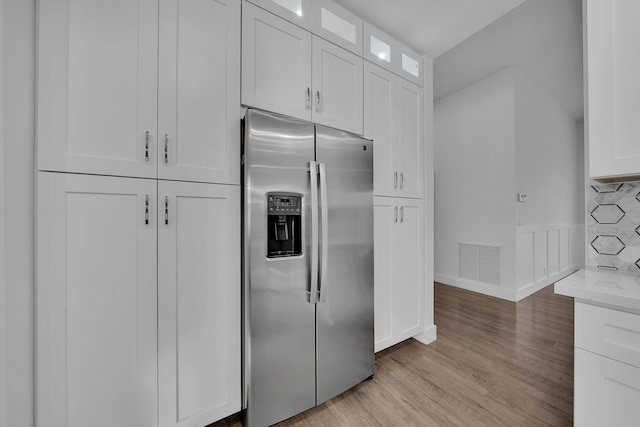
394	119
138	269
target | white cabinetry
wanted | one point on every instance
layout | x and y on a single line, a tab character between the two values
288	70
393	119
143	88
388	53
198	302
607	392
398	270
612	87
96	301
138	301
607	366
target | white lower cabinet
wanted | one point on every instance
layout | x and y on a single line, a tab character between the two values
607	392
607	366
96	301
398	270
198	302
138	320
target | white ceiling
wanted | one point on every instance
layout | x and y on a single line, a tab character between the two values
430	26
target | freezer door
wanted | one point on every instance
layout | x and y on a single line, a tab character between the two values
279	323
345	311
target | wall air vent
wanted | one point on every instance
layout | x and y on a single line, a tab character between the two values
481	263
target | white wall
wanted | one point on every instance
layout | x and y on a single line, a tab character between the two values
549	159
18	36
475	177
542	37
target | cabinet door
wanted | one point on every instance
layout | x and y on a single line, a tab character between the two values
198	302
408	279
383	229
96	301
276	64
607	392
337	87
410	139
199	91
97	86
613	87
380	126
296	11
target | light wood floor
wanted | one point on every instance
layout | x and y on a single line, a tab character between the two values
495	363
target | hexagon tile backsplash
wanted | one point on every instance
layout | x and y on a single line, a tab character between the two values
613	226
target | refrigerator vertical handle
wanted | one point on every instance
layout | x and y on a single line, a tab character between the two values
324	240
313	285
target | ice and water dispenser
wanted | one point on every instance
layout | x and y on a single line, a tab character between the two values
284	224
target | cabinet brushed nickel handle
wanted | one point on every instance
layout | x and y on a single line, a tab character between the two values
318	104
395	215
166	148
147	138
402	214
401	180
395	180
166	210
146	210
308	99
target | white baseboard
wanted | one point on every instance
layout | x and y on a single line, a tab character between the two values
475	286
532	288
506	294
427	336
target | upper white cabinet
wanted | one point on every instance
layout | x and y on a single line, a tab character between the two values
199	91
388	53
198	302
287	70
276	64
96	301
612	87
332	22
398	271
140	88
393	119
298	12
337	87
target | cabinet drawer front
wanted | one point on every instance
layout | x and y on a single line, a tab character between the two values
606	392
611	333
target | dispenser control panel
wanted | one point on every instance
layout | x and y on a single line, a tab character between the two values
288	205
284	225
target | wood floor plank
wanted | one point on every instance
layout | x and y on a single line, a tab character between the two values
495	363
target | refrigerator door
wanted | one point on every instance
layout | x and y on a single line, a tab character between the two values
279	319
345	312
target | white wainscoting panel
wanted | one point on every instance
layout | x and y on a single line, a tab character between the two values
545	254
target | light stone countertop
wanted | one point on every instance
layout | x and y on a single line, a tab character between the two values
614	289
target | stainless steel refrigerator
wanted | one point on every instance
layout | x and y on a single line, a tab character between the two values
308	265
